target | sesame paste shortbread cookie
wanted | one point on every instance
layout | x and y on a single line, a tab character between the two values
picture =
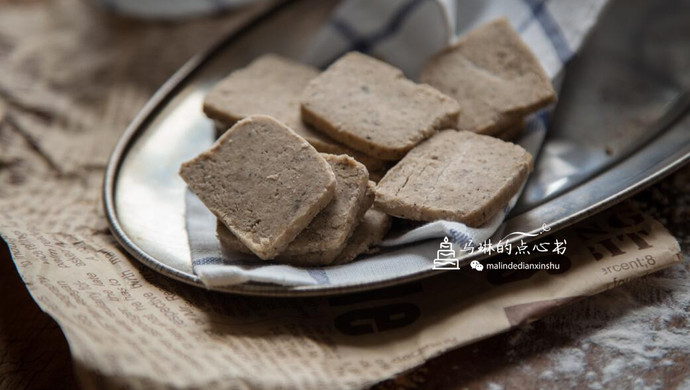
456	175
373	228
328	233
371	107
262	181
493	75
272	85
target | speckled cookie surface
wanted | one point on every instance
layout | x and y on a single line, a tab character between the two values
371	107
493	75
262	181
328	233
455	175
272	85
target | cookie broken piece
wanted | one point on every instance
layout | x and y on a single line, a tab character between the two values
272	85
493	75
371	107
456	175
326	236
373	228
262	181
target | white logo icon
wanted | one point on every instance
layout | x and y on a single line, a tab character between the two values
445	257
476	265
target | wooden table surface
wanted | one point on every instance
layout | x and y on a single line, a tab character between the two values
635	336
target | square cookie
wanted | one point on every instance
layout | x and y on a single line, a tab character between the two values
328	233
269	85
493	75
262	181
455	175
371	107
272	85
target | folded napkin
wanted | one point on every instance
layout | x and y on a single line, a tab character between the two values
405	34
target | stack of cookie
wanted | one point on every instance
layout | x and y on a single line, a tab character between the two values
275	196
289	177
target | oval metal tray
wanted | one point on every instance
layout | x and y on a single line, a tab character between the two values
596	153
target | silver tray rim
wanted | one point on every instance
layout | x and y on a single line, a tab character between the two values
169	89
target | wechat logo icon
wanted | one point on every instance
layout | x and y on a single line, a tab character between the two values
476	265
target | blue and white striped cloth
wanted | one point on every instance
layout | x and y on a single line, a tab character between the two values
405	34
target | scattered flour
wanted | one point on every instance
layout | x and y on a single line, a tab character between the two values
571	361
547	375
494	386
634	336
631	329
